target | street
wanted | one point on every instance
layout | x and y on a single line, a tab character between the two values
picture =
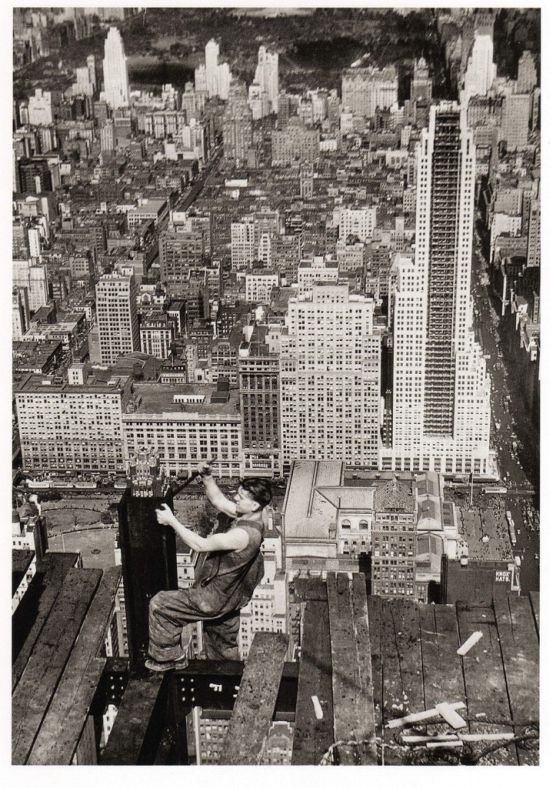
513	436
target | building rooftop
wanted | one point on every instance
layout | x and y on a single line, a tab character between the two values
349	497
159	399
308	514
102	382
395	494
30	355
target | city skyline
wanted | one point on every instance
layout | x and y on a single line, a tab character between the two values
310	256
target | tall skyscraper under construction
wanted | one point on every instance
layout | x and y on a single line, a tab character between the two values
441	390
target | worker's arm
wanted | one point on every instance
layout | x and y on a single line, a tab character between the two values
214	494
235	539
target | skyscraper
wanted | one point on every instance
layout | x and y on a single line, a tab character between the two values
115	71
516	112
211	53
480	69
92	72
366	89
259	392
441	390
527	73
421	83
533	242
116	316
237	125
267	76
330	378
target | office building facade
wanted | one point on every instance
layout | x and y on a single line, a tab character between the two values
330	378
441	389
117	319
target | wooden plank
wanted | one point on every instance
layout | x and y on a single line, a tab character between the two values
50	574
402	659
255	703
364	658
43	671
534	597
313	589
86	752
520	656
351	679
422	716
450	716
375	612
484	680
138	725
392	690
312	736
408	642
442	667
63	724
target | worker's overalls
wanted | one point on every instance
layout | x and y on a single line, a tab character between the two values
224	583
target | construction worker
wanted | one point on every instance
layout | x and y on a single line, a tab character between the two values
229	569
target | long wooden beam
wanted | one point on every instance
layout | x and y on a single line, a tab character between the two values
65	719
139	723
352	686
44	589
47	662
313	730
256	699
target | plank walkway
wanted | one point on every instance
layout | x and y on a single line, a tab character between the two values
255	703
313	736
64	722
136	732
351	670
47	662
484	678
35	607
363	663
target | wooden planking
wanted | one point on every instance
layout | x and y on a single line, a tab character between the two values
255	703
138	724
364	654
534	597
439	643
484	679
443	678
351	681
402	659
375	616
313	589
407	637
60	731
392	690
50	573
43	671
520	656
313	737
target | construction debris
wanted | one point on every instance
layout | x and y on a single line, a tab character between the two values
467	645
317	707
465	737
420	716
438	745
407	739
450	716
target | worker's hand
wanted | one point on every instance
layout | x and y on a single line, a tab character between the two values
204	469
165	515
